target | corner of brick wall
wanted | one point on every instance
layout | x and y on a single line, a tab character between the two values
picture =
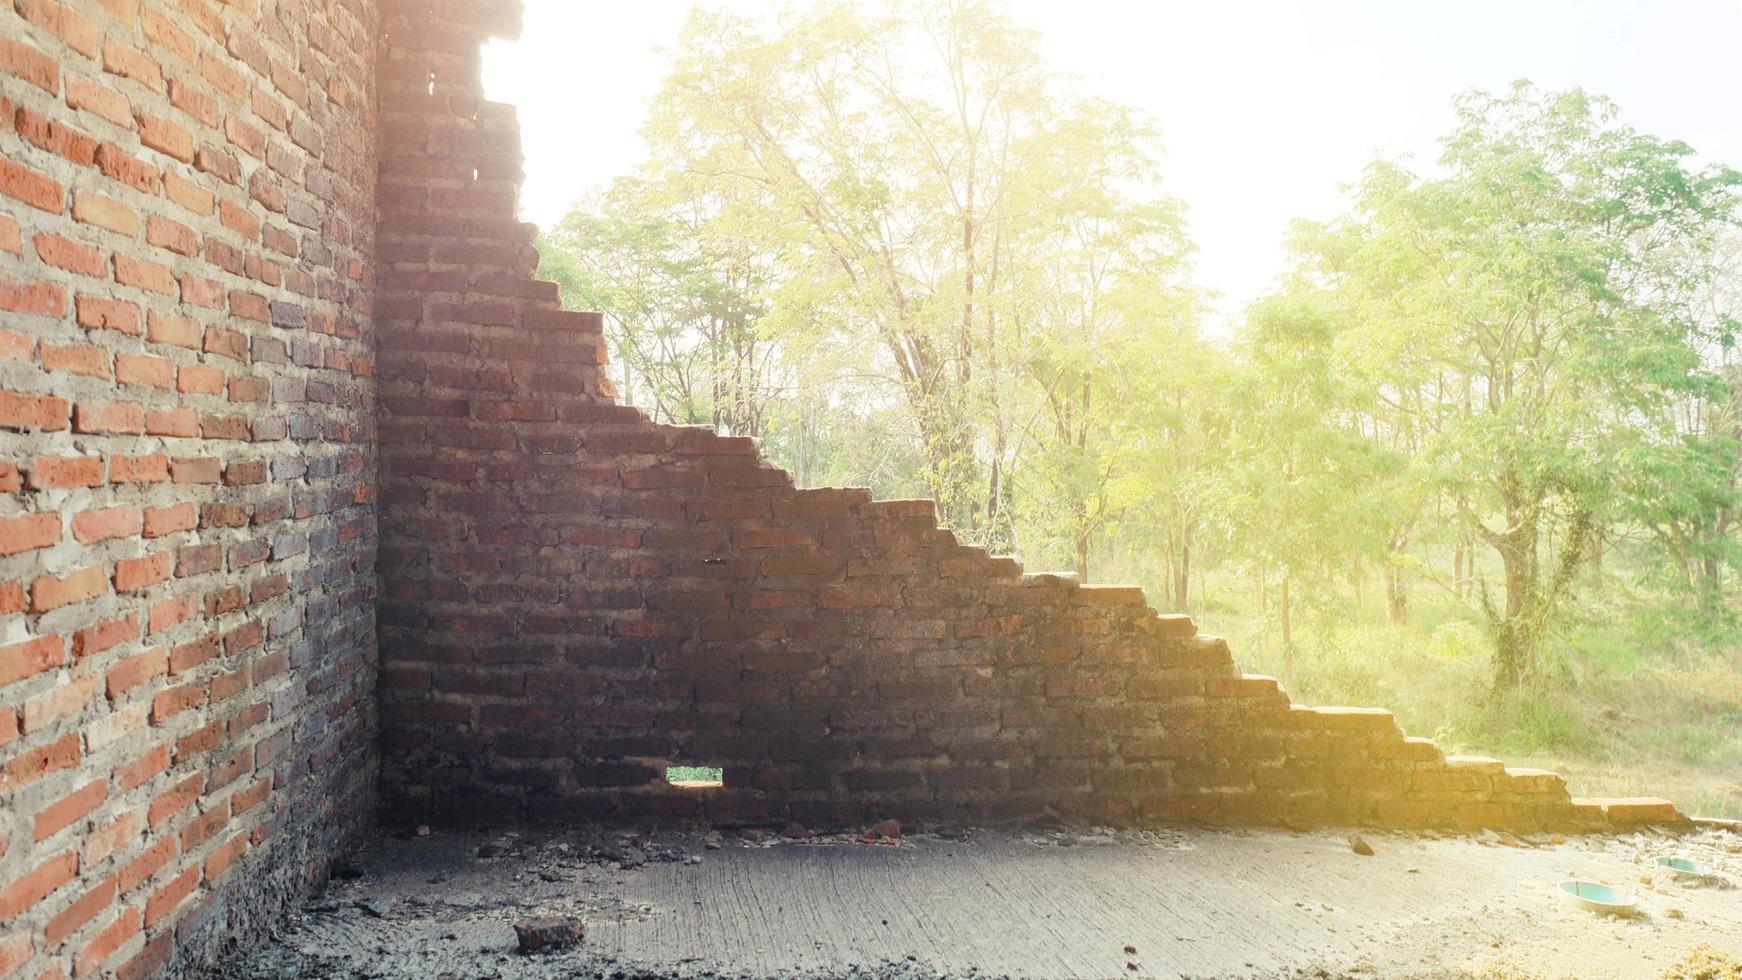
187	532
574	598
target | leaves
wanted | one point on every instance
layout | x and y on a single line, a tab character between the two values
892	242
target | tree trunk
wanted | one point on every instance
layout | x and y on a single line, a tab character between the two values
1287	636
1396	595
1514	639
1182	572
1458	567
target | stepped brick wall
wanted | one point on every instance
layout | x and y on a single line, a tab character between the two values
574	598
186	487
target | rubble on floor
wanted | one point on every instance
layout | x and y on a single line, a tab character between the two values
708	904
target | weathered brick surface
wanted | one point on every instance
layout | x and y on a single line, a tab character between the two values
186	507
574	597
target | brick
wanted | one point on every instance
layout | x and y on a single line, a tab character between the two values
170	613
56	137
83	359
60	702
171	895
99	313
143	274
58	19
49	592
141	771
28	767
26	185
195	470
81	911
160	521
61	472
130	62
100	100
109	418
239	220
32	657
33	298
124	829
174	800
187	195
134	671
105	635
37	884
92	208
118	164
198	379
198	560
178	331
18	411
173	235
224	856
166	137
148	863
103	525
138	574
64	253
15	951
187	656
29	532
105	943
194	101
62	813
151	468
29	64
182	423
145	370
197	291
167	38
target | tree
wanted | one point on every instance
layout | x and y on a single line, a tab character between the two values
1551	272
684	305
907	163
1305	472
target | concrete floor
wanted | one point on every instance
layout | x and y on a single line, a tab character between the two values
1192	903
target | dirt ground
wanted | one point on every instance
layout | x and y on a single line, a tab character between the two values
1191	903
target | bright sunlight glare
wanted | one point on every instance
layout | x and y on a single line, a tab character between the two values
1266	107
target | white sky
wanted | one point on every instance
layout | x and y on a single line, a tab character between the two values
1266	106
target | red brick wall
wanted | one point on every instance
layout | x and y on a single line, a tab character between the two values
186	492
574	597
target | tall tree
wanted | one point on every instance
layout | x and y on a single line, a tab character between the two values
1305	472
899	155
1552	268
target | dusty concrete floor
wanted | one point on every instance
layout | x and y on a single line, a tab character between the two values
1193	903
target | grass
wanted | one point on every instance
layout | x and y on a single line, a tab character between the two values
1635	700
695	777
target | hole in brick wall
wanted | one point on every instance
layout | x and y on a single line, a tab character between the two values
695	777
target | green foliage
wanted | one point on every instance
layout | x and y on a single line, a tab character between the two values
1550	288
898	237
1477	456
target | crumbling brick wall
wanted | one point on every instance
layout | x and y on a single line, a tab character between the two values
574	597
186	498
